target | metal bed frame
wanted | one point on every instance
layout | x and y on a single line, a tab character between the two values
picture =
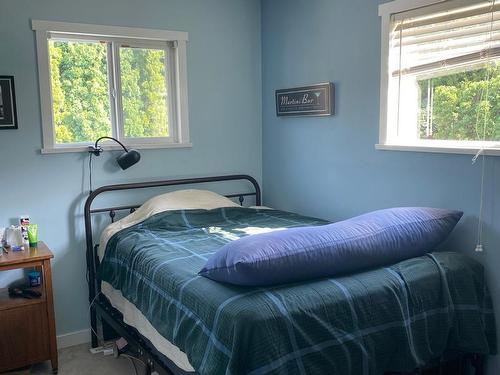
101	311
100	308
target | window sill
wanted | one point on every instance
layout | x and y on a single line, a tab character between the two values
106	147
466	150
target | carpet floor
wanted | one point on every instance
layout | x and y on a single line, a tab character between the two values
78	360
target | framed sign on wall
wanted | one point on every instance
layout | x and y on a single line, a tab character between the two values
8	112
313	100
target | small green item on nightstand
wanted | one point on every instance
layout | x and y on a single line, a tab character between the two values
33	234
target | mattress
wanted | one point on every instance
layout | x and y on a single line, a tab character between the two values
394	318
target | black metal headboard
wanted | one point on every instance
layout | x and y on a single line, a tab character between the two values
91	249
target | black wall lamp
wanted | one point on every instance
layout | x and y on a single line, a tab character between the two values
127	159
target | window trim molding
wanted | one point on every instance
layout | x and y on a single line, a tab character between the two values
108	31
489	151
179	102
85	147
385	12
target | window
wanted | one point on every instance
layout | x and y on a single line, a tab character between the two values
111	81
440	79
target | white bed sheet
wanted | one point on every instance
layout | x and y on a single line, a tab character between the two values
134	318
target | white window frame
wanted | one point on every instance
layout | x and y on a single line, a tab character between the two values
385	11
173	42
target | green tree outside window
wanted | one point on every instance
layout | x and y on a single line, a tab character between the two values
81	91
463	106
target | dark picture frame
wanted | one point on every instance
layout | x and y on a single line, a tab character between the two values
8	110
312	100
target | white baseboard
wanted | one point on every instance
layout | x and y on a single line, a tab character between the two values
73	338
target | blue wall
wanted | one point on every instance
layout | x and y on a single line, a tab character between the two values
224	71
328	167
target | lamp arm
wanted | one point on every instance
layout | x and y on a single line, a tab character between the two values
125	160
113	139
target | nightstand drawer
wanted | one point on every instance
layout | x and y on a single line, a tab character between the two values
24	336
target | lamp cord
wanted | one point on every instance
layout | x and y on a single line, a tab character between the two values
90	307
133	364
133	359
113	139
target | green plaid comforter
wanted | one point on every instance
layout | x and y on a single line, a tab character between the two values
394	318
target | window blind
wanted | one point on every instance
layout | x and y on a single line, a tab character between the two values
428	39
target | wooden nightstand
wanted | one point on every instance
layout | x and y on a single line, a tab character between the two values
27	326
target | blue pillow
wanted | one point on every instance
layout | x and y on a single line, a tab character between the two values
370	240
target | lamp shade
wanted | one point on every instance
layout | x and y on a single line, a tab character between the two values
128	159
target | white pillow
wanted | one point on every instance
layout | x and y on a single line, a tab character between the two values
176	200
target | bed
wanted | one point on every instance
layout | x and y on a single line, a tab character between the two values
144	283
